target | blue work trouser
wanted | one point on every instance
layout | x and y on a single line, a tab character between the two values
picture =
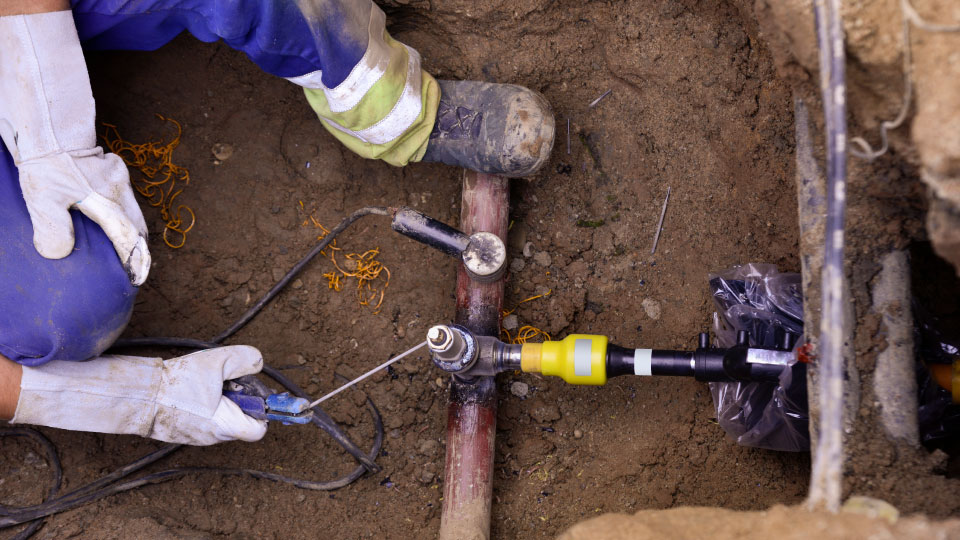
75	308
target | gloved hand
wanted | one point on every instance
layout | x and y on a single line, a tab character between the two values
179	400
47	118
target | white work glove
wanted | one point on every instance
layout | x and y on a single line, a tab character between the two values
179	400
47	119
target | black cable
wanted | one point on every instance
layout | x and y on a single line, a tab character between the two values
51	451
245	318
15	516
106	486
320	417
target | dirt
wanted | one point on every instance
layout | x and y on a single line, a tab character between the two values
696	105
778	522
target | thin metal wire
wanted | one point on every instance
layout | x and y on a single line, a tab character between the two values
910	15
919	22
367	374
599	99
663	213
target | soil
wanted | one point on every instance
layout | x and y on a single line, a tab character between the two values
696	106
778	522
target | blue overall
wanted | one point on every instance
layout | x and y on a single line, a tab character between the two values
75	308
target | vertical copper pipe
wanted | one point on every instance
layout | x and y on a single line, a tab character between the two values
472	405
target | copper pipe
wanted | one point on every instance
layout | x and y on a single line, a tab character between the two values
472	405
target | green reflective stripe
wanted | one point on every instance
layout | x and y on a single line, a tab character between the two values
412	144
377	102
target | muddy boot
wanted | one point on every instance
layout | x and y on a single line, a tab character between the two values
491	128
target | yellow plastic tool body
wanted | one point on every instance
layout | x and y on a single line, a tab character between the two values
577	359
946	375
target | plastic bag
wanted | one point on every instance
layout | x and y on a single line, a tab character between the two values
768	305
938	417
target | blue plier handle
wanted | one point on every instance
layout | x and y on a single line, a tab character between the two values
284	407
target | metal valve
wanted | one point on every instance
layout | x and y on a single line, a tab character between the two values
452	348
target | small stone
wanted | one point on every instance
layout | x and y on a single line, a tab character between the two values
429	447
651	307
439	382
543	259
427	476
873	508
519	389
577	434
543	412
301	497
517	265
395	433
301	360
528	250
297	284
510	322
222	151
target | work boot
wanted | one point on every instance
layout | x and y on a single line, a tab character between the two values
491	128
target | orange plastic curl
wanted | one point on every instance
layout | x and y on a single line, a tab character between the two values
162	182
364	267
525	332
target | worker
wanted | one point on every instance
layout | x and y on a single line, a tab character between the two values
73	242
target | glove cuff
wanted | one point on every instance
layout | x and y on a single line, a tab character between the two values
47	104
110	394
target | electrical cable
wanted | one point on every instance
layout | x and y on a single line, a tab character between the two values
51	451
105	488
106	485
245	318
827	468
320	418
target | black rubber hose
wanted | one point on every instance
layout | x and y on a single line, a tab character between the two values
320	417
429	231
87	495
323	420
51	451
347	221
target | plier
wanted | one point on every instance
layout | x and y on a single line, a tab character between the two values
257	401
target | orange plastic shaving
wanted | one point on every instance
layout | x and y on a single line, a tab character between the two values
364	267
525	332
524	301
162	180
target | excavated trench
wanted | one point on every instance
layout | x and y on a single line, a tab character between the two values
697	105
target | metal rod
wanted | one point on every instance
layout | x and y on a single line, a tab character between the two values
599	99
472	405
367	374
656	237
